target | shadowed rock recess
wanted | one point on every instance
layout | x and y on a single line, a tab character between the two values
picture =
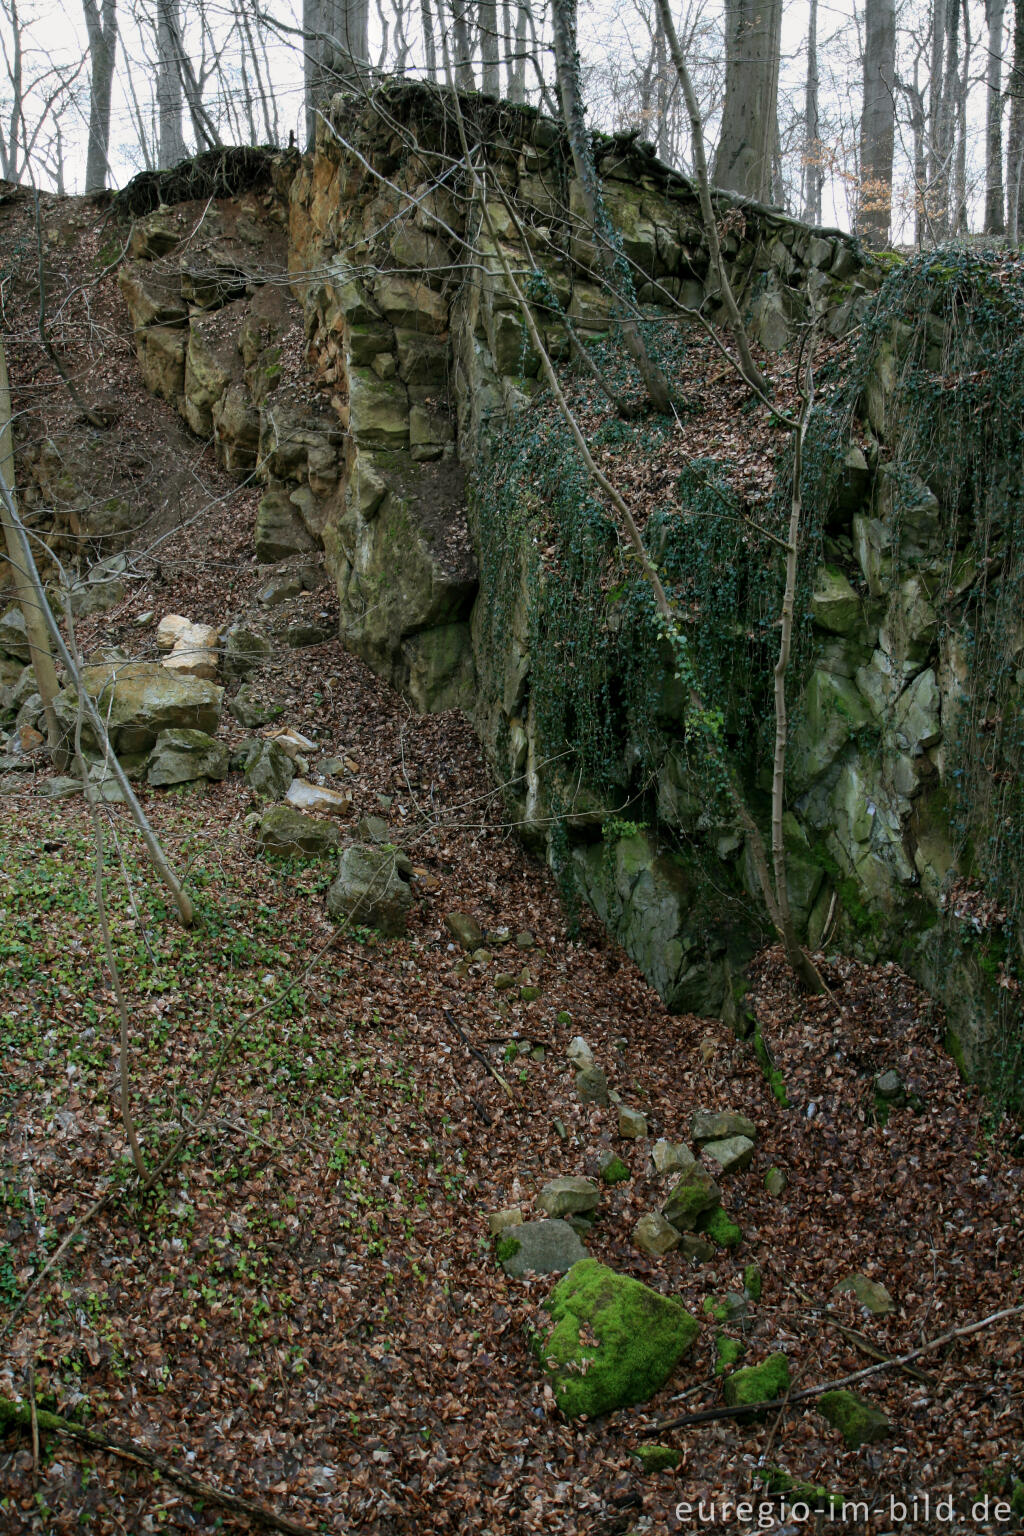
416	358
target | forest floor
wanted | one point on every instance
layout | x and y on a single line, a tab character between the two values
306	1309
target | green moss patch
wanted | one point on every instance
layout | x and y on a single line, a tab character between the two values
764	1383
612	1341
615	1171
657	1458
728	1352
721	1229
857	1420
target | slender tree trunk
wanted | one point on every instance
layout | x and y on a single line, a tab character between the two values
878	122
749	115
168	84
959	224
101	28
430	47
812	167
517	65
946	119
747	366
491	80
1015	137
563	15
995	192
462	40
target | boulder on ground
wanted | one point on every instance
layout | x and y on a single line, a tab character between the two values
13	634
568	1196
370	890
269	770
194	653
764	1383
539	1248
670	1156
138	700
654	1235
732	1154
693	1193
719	1126
182	756
465	930
611	1341
315	797
286	833
871	1294
244	650
859	1421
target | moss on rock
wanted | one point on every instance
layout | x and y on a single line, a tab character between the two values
857	1420
612	1341
763	1383
657	1458
721	1228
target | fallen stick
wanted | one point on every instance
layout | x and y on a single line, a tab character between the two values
13	1416
473	1051
859	1341
742	1410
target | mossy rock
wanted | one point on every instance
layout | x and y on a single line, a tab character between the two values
615	1171
728	1352
693	1195
721	1228
657	1458
858	1421
641	1337
764	1383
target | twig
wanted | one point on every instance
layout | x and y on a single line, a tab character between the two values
55	1259
473	1051
741	1410
860	1341
14	1417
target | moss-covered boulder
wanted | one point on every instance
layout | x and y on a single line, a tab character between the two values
657	1458
182	756
764	1383
693	1195
858	1421
287	834
640	1339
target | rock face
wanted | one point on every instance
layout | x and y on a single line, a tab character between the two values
416	365
640	1339
370	890
138	700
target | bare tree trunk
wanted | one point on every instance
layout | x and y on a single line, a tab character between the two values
462	41
878	122
946	118
563	15
812	167
427	22
959	224
168	84
1015	137
995	192
337	50
749	124
488	12
101	28
747	366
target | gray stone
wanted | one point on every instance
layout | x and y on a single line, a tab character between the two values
859	1421
59	788
871	1294
310	632
373	829
834	604
13	635
540	1248
732	1155
654	1235
500	1221
245	649
280	589
632	1124
182	756
697	1249
693	1193
249	712
889	1085
138	700
370	891
717	1126
568	1196
287	833
280	532
465	930
580	1054
269	771
592	1085
668	1156
775	1182
917	715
